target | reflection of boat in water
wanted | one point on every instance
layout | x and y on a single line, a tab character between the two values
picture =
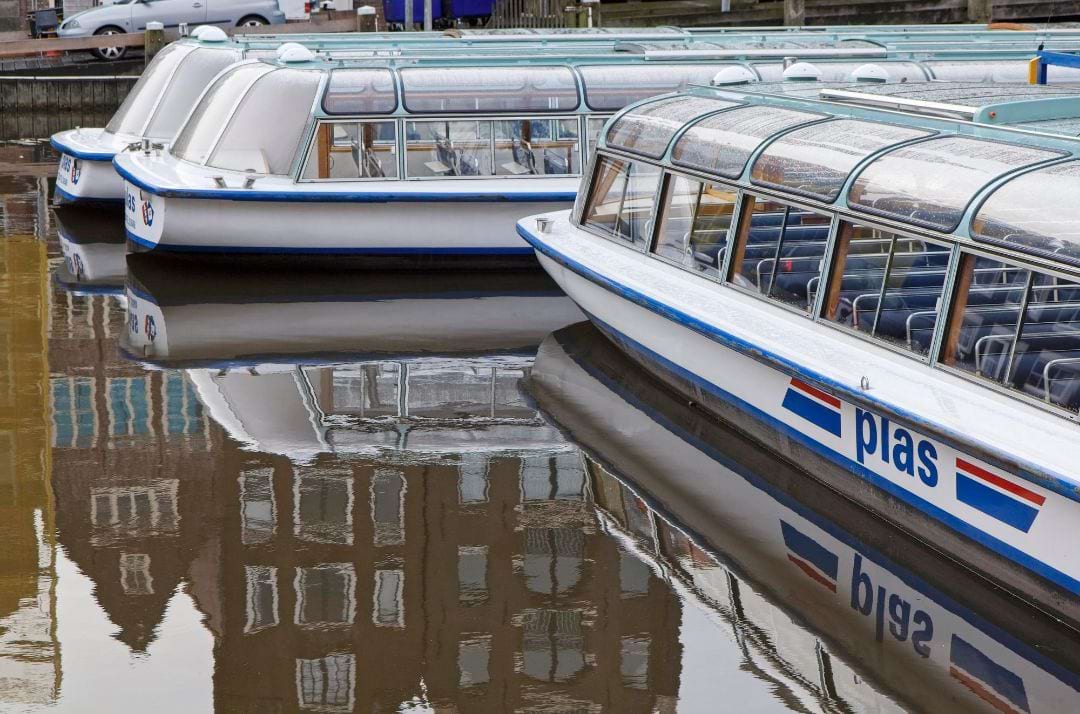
222	313
412	407
845	613
434	361
92	242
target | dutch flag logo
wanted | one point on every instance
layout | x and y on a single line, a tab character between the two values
996	496
815	560
995	685
813	405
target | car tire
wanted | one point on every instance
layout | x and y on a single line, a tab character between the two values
110	54
252	21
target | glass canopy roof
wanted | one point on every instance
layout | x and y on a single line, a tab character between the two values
815	160
931	183
612	87
648	129
722	144
446	90
1031	213
360	91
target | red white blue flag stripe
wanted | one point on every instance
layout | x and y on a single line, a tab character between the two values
815	560
997	496
813	405
994	684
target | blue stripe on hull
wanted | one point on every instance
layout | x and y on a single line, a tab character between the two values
1055	482
371	196
103	157
144	244
994	503
817	414
1004	683
989	542
810	550
66	197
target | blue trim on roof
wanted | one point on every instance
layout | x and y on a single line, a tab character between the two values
1033	473
78	154
283	250
239	194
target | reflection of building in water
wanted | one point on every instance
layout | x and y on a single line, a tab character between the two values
132	465
478	580
30	667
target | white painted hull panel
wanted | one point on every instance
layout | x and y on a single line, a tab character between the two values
927	476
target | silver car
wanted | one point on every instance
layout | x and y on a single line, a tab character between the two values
132	16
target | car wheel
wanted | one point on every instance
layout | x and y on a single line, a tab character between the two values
110	53
252	21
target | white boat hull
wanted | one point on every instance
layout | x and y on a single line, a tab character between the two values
904	475
159	223
85	180
807	567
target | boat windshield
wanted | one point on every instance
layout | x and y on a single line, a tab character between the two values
190	79
1029	215
264	111
130	118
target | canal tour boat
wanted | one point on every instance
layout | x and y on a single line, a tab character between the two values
841	612
228	315
162	98
787	259
370	160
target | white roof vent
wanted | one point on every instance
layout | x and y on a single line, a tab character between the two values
294	52
209	33
802	72
870	73
733	75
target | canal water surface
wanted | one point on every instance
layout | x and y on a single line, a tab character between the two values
279	489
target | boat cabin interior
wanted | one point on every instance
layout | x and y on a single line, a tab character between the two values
935	228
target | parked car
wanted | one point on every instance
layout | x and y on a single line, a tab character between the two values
132	15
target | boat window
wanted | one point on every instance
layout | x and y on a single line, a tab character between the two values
694	227
1017	327
647	130
612	87
595	126
622	199
197	136
931	183
353	150
886	285
455	90
1014	71
264	131
191	78
1029	215
448	148
546	147
722	144
780	250
360	91
815	161
131	116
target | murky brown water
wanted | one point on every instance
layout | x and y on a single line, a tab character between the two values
271	491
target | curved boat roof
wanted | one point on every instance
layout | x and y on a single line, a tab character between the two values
986	163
